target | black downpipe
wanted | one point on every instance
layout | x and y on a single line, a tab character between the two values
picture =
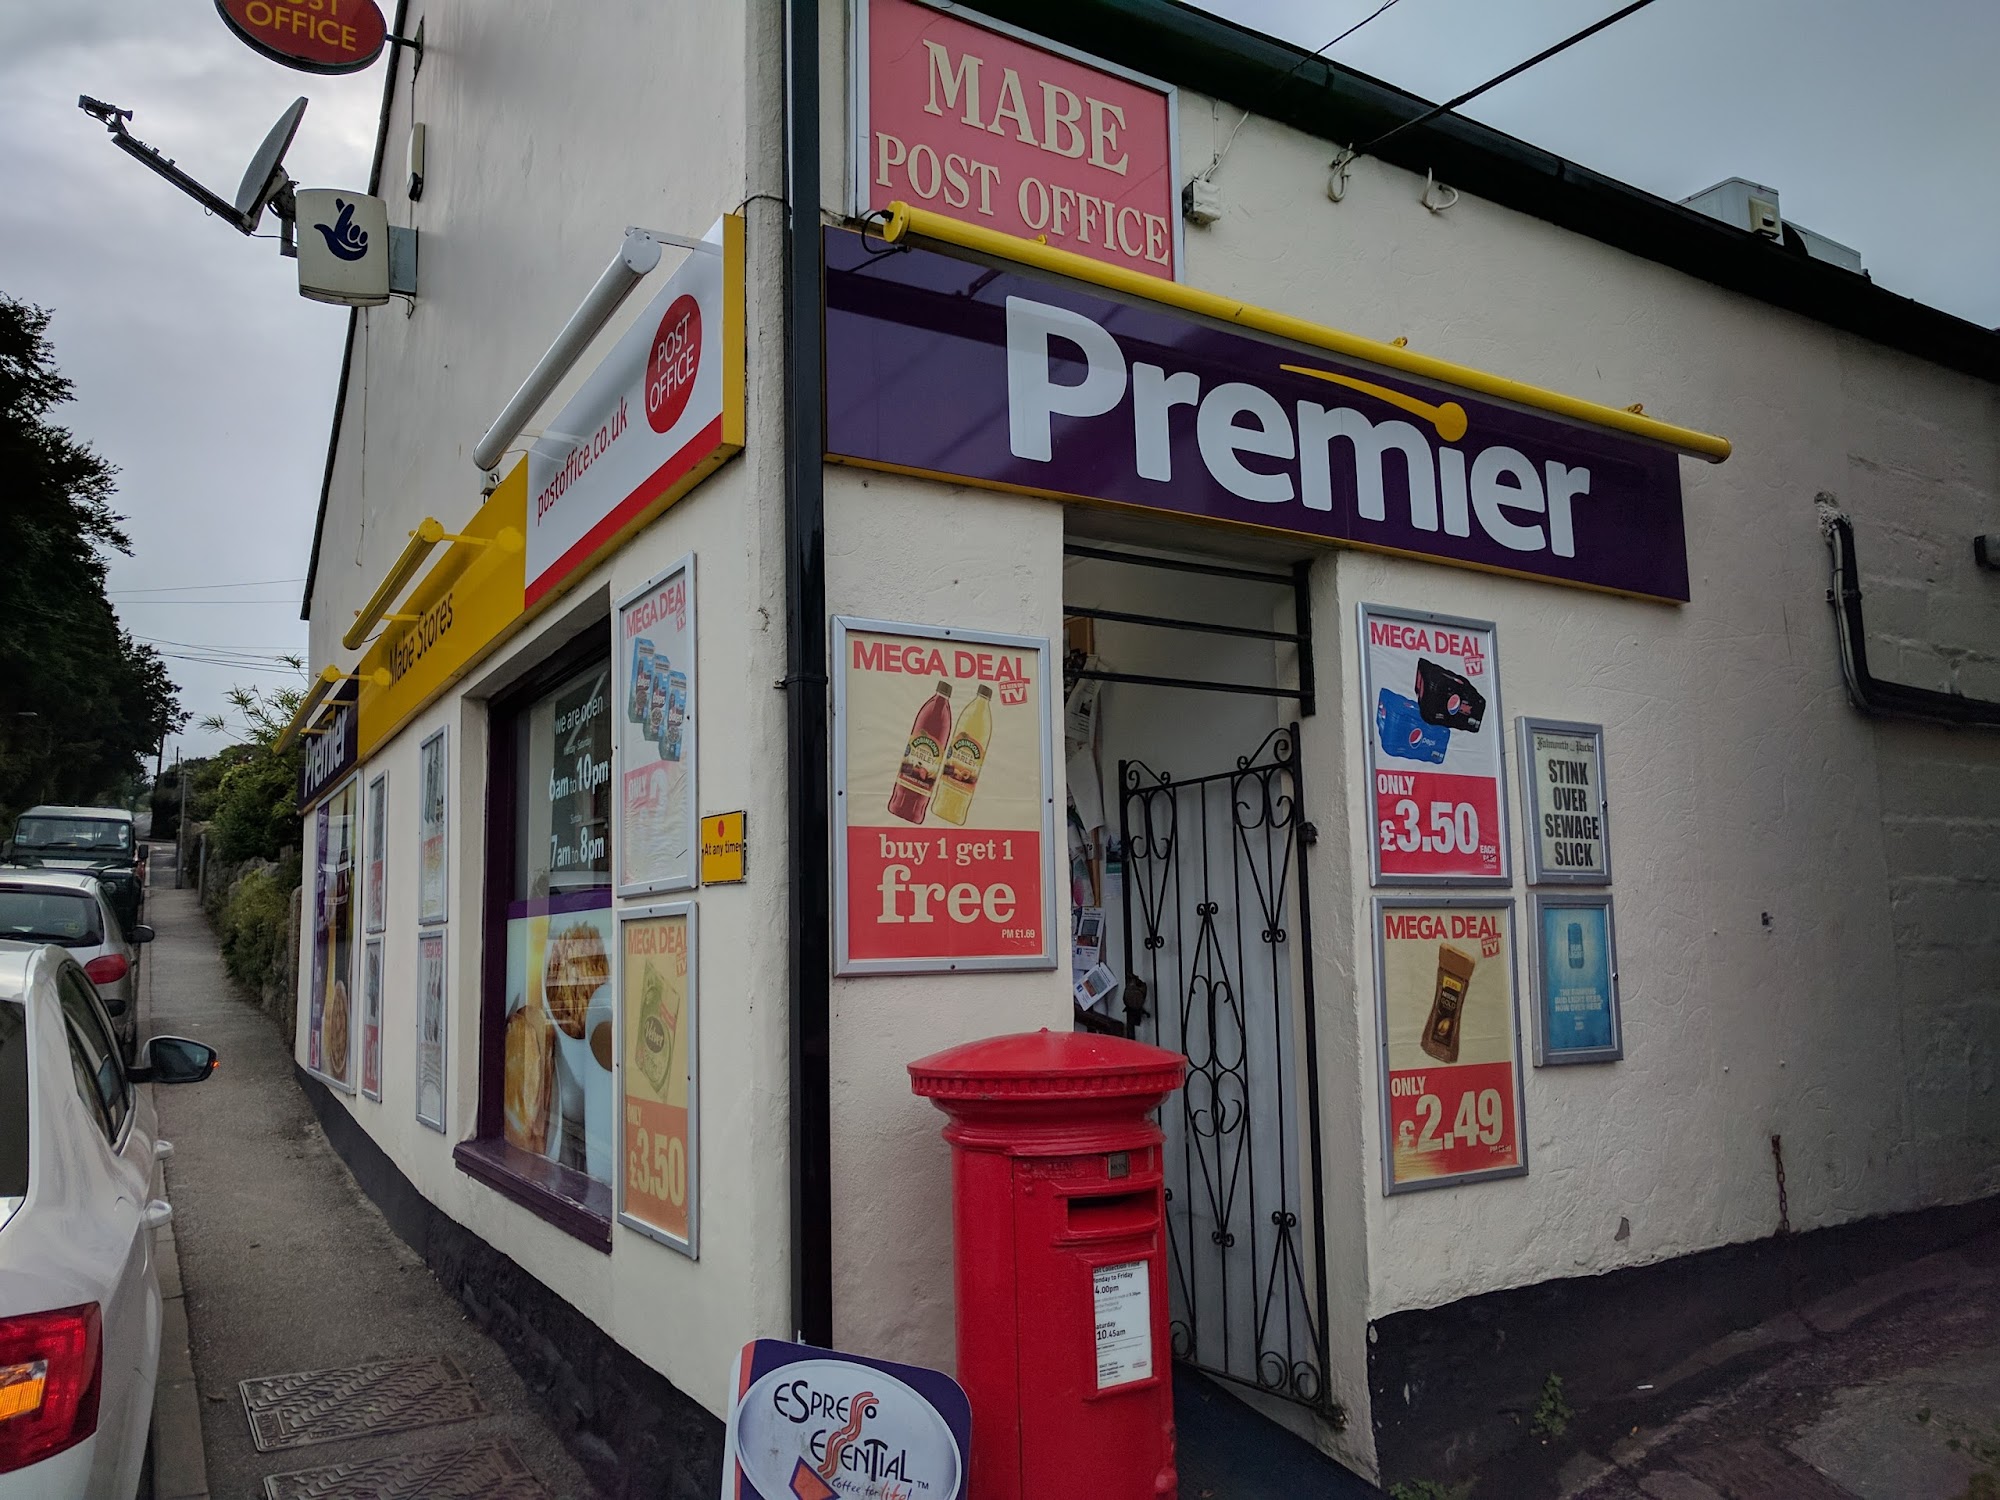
805	691
1898	700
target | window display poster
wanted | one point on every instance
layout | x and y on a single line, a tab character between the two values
942	800
1576	981
654	656
431	819
1562	768
1431	691
329	1040
371	1019
656	1026
1451	1076
430	1029
377	905
556	1079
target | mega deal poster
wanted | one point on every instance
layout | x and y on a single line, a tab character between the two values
1450	1041
659	1185
1431	696
655	835
943	800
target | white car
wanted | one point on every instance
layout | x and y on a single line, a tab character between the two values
71	908
79	1293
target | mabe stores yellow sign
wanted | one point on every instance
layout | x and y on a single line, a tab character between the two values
465	607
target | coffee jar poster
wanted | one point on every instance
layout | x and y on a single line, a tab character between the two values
943	801
1451	1042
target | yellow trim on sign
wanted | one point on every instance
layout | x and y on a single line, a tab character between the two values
905	221
733	283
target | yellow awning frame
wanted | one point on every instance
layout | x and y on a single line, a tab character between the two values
328	679
907	222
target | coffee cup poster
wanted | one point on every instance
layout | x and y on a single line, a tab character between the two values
1431	694
330	1016
943	800
1450	1040
657	1186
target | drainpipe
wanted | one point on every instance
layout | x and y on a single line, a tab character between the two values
807	762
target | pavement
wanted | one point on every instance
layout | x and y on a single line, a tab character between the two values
276	1263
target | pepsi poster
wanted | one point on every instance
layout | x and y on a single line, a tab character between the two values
1431	690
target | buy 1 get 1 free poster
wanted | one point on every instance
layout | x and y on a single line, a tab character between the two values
1451	1045
942	800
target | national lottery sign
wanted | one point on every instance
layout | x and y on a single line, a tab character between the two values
1431	695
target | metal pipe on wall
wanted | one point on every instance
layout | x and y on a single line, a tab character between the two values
808	766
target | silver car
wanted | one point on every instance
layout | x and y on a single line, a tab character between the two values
69	908
79	1291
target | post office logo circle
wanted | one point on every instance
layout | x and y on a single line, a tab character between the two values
314	36
672	363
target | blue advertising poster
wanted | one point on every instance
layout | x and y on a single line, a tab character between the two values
1577	1000
811	1424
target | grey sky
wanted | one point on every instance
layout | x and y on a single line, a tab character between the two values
209	381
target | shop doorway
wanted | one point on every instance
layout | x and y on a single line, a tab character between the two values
1187	682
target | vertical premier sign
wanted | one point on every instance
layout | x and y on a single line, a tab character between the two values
973	119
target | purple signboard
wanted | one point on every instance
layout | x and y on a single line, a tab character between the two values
1020	381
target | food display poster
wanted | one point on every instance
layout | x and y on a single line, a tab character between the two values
658	1186
371	1019
556	1080
329	1028
1431	692
813	1424
1563	801
377	903
431	1024
653	650
1576	981
1451	1042
943	802
431	829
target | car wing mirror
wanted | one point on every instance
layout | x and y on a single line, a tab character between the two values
175	1059
141	933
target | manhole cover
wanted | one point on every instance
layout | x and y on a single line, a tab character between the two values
476	1471
323	1406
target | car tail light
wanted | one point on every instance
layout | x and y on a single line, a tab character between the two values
51	1369
107	968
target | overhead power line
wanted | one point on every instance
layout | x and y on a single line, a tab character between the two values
196	588
1494	82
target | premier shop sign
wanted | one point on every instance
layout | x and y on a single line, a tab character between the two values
996	377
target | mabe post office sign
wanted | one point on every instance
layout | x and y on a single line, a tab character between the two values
979	121
943	800
939	366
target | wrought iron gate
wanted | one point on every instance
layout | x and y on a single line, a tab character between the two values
1218	926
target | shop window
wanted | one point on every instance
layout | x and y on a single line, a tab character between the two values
546	1121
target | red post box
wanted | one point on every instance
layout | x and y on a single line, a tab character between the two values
1059	1223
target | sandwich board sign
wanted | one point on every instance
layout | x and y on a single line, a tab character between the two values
811	1424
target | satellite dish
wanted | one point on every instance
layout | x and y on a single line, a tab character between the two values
265	175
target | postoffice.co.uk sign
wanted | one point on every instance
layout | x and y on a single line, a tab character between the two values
943	367
974	120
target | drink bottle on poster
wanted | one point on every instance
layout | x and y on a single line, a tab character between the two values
1431	688
1451	1054
942	800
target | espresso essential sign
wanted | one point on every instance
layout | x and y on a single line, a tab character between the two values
661	413
1450	1042
330	747
943	367
314	36
986	124
943	811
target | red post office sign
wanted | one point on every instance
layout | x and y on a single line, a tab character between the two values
314	36
944	800
974	119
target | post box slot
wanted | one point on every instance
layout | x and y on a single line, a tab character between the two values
1113	1213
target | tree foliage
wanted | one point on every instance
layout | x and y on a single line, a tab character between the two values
255	813
81	702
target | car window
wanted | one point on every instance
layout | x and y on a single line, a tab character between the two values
13	1100
84	1013
88	835
85	1073
31	914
